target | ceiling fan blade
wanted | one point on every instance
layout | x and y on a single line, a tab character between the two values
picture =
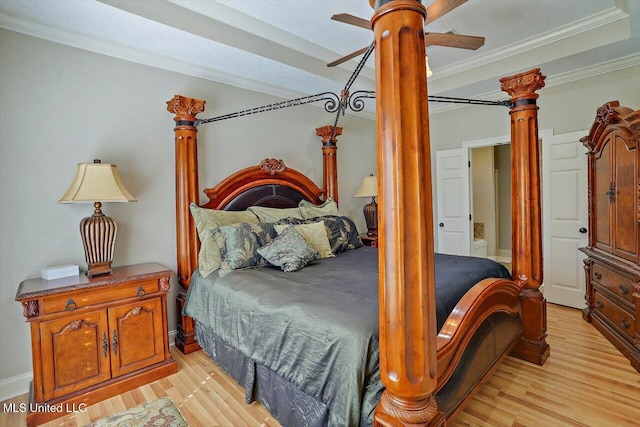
348	57
453	40
353	20
441	7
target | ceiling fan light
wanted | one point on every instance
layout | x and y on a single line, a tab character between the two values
429	71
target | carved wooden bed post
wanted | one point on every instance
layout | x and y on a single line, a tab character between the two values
408	367
329	160
526	221
186	153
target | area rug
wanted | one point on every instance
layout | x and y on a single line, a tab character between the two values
161	412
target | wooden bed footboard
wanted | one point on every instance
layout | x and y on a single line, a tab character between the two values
483	300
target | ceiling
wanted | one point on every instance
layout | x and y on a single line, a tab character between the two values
281	47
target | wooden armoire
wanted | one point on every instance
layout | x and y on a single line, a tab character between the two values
613	263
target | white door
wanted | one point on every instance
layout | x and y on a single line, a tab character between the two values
453	207
565	218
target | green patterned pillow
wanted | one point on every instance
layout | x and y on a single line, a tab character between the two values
239	244
289	251
309	210
274	214
206	221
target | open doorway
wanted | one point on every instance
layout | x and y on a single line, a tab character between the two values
491	202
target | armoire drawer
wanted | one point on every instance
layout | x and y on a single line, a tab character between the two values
616	283
624	321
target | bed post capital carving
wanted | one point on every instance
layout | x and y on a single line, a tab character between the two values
527	213
329	136
185	108
523	85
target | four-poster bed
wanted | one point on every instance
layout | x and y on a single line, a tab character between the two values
427	375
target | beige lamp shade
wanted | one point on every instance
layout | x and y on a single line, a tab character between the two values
97	182
368	188
429	71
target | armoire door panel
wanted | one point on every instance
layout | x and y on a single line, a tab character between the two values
602	198
625	218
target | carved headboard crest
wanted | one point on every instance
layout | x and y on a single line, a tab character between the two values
272	166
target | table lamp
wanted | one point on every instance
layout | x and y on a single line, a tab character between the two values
97	182
369	188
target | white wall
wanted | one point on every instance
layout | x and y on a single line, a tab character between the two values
60	106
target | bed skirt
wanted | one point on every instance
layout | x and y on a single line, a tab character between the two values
288	404
292	407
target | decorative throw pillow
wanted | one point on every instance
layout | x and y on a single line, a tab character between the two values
239	244
315	234
289	251
309	210
274	214
342	232
206	221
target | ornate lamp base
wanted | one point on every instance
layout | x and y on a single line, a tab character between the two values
371	217
98	237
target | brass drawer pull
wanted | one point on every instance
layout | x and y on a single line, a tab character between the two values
597	275
625	324
70	305
623	289
140	291
599	304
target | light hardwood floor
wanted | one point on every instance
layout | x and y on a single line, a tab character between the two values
585	382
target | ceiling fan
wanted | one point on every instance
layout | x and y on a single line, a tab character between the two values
437	9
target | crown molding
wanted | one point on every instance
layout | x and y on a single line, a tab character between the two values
555	80
139	56
577	28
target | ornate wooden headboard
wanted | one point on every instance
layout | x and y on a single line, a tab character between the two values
271	183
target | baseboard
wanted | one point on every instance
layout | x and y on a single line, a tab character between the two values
504	252
15	386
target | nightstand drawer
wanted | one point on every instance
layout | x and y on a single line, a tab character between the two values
616	283
62	303
621	319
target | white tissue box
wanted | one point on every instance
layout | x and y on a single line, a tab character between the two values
52	273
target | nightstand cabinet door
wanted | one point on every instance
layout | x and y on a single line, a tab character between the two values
136	336
77	351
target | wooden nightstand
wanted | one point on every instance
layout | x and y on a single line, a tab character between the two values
95	338
369	240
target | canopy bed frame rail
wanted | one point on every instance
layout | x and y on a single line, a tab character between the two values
415	361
